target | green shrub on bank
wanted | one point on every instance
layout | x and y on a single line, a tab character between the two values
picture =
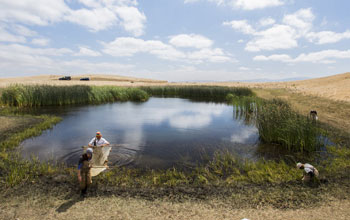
206	93
44	95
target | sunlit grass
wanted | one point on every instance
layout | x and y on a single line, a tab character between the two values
205	93
45	95
278	123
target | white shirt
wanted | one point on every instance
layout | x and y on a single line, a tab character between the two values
100	142
308	168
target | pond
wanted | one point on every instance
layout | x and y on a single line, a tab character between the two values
159	133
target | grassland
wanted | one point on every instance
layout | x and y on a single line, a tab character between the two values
262	190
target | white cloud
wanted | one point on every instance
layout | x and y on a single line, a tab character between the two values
326	37
244	4
40	41
85	51
21	49
279	36
275	57
33	12
240	25
96	15
191	41
256	4
127	46
243	68
300	20
95	20
215	55
23	31
21	59
5	36
324	56
276	37
267	21
133	20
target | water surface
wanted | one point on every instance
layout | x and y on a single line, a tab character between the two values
159	133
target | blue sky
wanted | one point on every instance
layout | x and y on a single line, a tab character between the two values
176	40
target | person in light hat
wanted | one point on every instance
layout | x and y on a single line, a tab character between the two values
84	174
98	141
310	172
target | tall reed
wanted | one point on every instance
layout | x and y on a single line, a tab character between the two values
278	123
43	95
205	93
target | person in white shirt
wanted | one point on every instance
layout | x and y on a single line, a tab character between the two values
310	171
98	141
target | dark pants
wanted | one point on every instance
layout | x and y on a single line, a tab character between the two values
85	177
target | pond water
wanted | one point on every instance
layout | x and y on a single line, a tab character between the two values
159	133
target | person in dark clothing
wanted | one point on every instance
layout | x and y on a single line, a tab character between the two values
84	175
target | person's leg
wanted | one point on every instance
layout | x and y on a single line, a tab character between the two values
306	178
83	185
86	177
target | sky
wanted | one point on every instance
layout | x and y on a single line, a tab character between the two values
176	40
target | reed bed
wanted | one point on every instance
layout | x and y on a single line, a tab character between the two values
45	95
204	93
279	124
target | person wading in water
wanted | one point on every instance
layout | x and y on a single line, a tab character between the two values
98	141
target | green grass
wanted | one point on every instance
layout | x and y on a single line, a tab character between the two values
279	124
45	95
15	170
203	93
224	169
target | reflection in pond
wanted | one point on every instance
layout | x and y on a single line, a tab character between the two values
155	134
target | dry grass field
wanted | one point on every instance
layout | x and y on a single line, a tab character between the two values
98	80
34	205
336	87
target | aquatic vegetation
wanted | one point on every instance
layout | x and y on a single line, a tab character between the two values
204	93
279	124
44	95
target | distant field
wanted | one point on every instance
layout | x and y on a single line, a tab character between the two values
336	87
98	80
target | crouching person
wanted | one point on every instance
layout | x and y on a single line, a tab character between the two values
84	174
310	172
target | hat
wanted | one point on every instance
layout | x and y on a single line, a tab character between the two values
98	133
89	151
299	165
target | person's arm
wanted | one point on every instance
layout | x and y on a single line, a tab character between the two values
91	142
105	143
